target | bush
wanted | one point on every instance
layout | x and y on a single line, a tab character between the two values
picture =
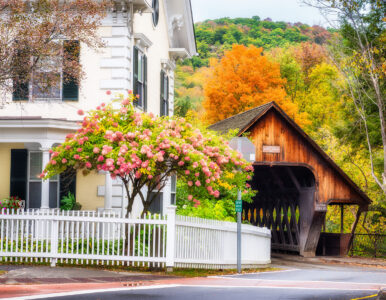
69	202
10	203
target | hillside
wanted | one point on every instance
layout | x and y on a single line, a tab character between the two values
213	37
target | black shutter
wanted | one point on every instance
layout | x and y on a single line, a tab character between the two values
162	109
145	83
18	182
20	90
167	96
71	51
20	65
135	73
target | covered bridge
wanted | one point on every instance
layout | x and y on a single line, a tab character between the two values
295	179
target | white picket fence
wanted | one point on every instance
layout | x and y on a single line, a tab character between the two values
203	243
110	238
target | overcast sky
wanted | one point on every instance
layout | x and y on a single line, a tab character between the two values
278	10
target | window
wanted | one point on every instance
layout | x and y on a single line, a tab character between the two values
140	78
61	84
35	167
164	109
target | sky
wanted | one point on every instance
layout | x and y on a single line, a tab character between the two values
278	10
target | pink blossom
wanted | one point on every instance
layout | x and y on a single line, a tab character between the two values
197	174
207	180
187	172
79	149
96	150
125	101
64	161
190	197
53	162
138	174
88	165
198	183
80	112
187	158
108	92
68	147
76	156
181	163
100	158
109	162
190	183
216	194
195	165
150	177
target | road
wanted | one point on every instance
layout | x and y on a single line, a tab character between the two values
300	282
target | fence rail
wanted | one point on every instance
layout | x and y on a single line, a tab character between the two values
103	238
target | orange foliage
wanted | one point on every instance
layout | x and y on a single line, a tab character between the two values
244	79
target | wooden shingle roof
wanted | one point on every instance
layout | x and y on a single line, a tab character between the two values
241	120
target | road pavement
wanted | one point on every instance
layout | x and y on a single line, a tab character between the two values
295	282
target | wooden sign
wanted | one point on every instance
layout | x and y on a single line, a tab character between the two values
320	207
271	149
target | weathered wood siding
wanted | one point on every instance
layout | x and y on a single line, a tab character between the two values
273	130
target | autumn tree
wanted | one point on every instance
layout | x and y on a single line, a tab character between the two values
144	150
32	35
244	78
359	53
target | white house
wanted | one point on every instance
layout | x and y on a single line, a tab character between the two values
144	39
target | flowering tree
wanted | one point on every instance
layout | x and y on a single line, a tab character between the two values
144	150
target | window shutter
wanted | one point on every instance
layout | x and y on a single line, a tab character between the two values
20	63
71	51
167	96
162	110
135	73
145	83
18	182
20	90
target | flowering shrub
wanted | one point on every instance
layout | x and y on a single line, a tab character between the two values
10	203
144	150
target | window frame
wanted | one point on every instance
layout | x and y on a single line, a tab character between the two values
28	87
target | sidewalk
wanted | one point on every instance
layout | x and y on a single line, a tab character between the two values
16	275
322	260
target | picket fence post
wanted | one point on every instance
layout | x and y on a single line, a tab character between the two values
54	242
170	236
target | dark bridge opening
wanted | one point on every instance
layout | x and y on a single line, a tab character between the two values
284	204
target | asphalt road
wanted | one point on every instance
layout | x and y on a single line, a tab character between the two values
223	293
318	282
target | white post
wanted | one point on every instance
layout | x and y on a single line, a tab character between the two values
45	202
108	191
170	236
166	196
54	241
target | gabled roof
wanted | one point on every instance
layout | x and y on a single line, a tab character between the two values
245	120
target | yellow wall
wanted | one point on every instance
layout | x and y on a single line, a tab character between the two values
87	188
5	167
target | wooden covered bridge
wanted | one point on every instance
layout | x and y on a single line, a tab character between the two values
295	179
